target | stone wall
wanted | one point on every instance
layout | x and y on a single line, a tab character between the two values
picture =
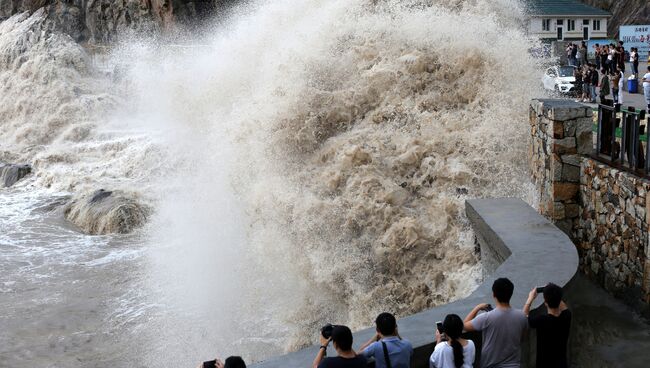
603	210
612	232
560	135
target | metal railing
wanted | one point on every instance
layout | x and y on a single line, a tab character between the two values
621	137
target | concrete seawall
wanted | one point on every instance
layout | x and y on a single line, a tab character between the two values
516	242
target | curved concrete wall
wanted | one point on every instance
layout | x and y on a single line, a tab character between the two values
522	246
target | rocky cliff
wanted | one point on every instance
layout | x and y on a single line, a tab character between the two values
101	21
624	12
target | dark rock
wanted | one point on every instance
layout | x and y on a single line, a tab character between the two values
100	195
107	212
10	174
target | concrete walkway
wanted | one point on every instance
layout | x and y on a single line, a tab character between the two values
605	332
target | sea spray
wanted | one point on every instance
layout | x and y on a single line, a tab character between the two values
307	164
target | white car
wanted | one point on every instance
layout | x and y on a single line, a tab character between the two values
560	79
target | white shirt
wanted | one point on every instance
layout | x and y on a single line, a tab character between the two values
647	80
443	356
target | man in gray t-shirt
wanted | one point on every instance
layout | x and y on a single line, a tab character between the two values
502	328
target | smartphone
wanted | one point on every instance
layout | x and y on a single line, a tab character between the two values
210	364
540	289
488	308
439	326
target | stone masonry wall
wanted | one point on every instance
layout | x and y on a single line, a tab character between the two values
560	134
603	210
612	233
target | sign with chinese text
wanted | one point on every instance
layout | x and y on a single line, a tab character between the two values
636	36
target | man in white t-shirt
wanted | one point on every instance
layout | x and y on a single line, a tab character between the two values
646	87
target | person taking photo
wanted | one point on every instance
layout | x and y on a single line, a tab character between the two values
456	352
342	341
502	328
552	326
387	347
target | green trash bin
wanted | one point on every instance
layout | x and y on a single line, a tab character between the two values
633	85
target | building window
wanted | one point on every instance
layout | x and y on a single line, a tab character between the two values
585	22
570	25
546	24
560	22
596	25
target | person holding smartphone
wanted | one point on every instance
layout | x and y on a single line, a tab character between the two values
455	352
387	347
502	328
552	326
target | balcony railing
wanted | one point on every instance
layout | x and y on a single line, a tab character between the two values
621	139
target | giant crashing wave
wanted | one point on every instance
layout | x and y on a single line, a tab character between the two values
360	127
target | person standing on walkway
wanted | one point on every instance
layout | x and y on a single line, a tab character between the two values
582	54
569	54
387	347
646	87
597	55
594	82
611	58
604	86
615	79
578	85
603	57
621	82
634	61
620	53
502	328
586	84
552	326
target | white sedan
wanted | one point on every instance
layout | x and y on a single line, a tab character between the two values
560	79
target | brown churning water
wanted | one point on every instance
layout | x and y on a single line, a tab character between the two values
307	164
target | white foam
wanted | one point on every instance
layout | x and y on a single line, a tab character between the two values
305	167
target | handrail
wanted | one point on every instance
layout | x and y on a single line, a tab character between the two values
628	153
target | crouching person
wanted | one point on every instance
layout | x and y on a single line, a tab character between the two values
342	341
387	347
456	352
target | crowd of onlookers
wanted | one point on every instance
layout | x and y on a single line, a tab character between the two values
606	73
502	329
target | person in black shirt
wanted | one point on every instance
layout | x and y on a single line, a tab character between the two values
342	341
594	82
552	327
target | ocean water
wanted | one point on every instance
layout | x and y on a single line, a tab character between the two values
306	162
